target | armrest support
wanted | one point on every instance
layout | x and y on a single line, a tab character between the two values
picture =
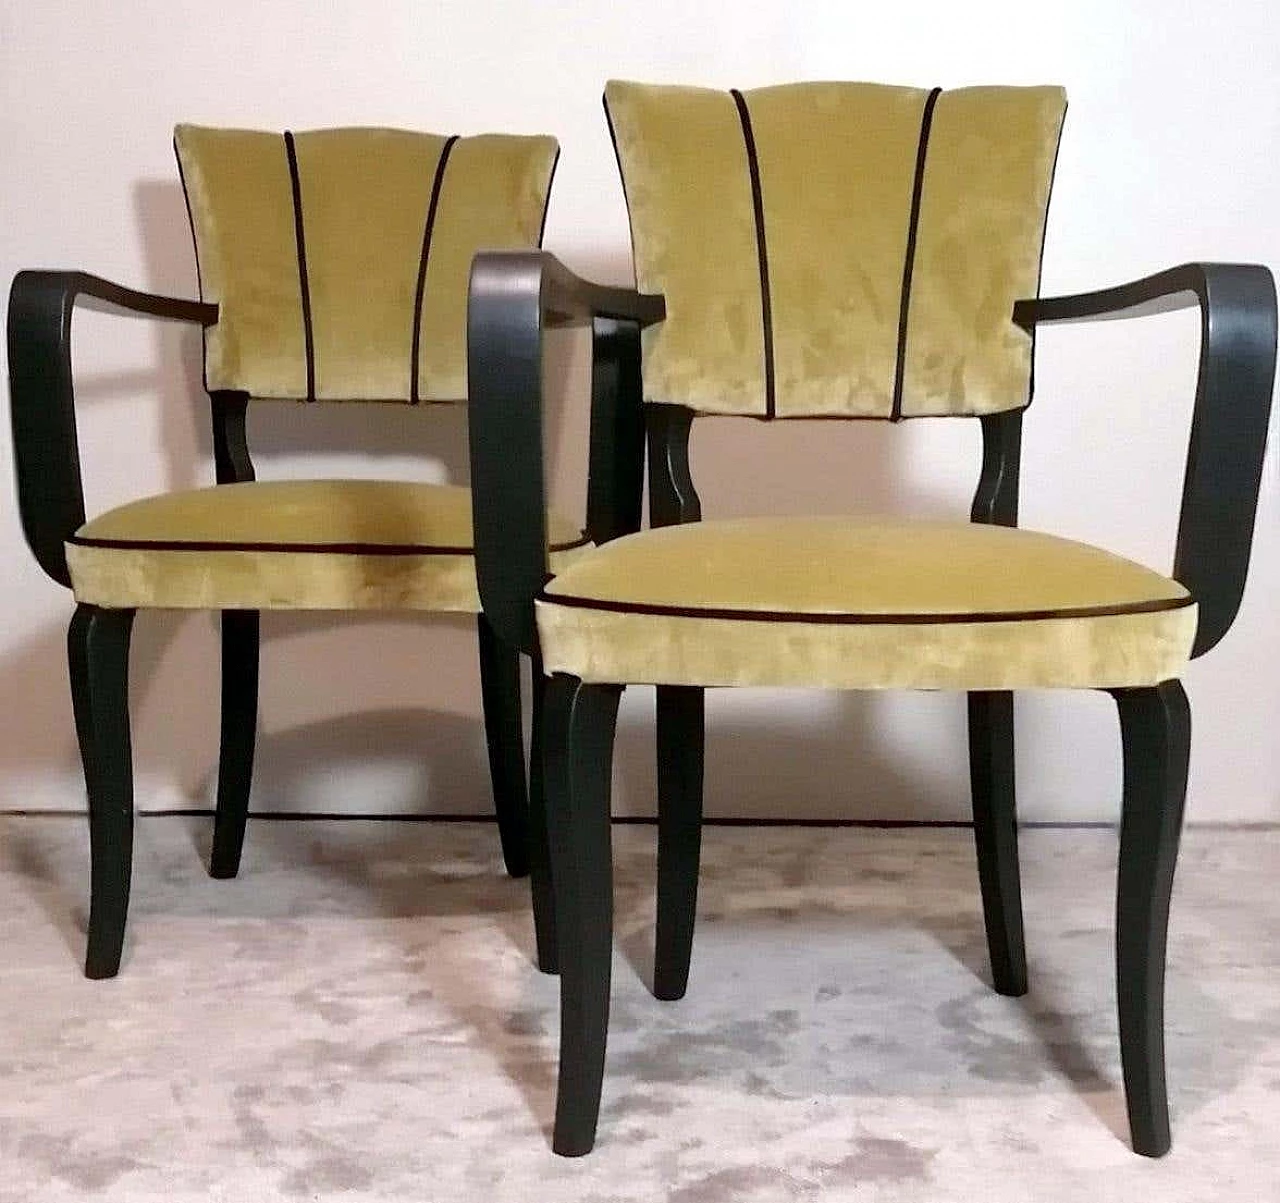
1229	424
42	398
615	460
514	297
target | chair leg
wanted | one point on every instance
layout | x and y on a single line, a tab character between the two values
540	887
581	720
240	642
995	830
98	658
680	739
1156	727
500	689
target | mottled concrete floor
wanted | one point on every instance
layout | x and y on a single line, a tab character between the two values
357	1017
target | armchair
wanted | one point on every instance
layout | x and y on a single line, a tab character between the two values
332	269
859	252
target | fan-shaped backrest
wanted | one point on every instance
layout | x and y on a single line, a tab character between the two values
837	249
339	258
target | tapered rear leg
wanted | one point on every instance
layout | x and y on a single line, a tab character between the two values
500	690
540	884
995	830
239	729
680	742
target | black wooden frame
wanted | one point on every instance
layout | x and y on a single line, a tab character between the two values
1237	304
513	298
42	398
52	508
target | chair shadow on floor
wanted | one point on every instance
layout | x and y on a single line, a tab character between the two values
1060	1038
789	900
835	763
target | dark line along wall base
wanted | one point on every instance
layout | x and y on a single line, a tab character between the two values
280	816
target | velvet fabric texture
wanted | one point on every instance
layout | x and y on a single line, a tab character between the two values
359	222
860	604
312	545
836	166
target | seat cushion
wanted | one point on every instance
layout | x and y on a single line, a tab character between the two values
290	545
855	604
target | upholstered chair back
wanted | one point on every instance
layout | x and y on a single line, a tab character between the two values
339	258
837	249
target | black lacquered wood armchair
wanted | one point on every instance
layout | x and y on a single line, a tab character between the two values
333	268
857	252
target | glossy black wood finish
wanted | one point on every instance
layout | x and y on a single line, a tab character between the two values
231	461
98	658
996	498
579	753
543	897
680	736
991	738
514	297
615	472
995	833
672	496
500	691
42	398
1229	425
1237	366
680	728
1156	728
238	731
51	502
240	633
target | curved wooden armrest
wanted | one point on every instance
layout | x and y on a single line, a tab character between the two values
1237	305
72	286
567	297
514	297
42	397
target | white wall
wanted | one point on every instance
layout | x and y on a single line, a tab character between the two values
1170	154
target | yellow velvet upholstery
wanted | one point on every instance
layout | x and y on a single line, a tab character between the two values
990	163
835	276
365	199
836	165
688	186
313	545
860	604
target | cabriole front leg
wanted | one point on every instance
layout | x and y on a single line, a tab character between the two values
1156	727
580	724
500	691
540	885
98	658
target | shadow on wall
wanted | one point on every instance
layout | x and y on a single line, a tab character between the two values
787	754
406	758
411	760
409	735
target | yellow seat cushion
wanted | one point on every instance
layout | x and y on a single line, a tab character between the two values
857	604
290	545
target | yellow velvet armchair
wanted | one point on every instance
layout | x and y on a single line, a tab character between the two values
848	251
333	268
